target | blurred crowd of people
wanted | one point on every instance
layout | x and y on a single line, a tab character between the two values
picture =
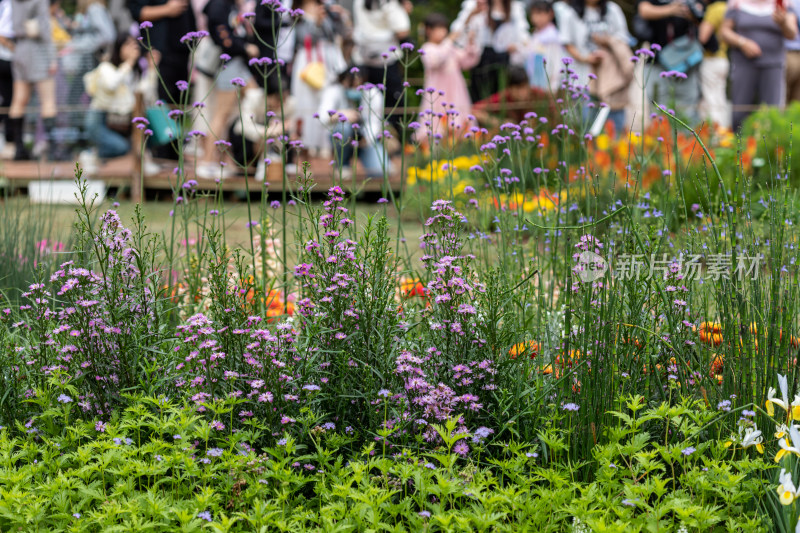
340	72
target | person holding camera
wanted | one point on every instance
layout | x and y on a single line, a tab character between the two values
113	86
672	25
755	31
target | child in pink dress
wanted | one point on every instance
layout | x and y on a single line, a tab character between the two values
443	62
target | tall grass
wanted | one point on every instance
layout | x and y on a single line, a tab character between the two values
31	242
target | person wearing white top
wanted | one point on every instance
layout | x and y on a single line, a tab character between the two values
112	87
582	24
379	26
542	53
354	112
499	26
585	32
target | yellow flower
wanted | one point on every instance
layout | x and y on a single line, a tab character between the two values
786	449
529	205
459	187
602	142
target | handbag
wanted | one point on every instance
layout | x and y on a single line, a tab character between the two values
90	82
164	127
681	54
206	57
313	74
119	122
32	29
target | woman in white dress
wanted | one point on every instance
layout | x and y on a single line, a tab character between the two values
317	39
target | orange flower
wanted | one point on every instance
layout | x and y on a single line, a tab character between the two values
715	327
412	287
635	342
651	176
569	359
711	333
602	160
275	305
711	338
794	342
717	364
530	348
544	141
178	291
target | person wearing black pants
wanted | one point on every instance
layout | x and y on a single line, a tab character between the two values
33	66
394	89
6	75
171	20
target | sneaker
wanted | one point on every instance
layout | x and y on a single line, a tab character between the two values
194	147
40	149
8	151
213	171
261	170
206	171
89	162
150	168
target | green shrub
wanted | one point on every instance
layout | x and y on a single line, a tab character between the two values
161	466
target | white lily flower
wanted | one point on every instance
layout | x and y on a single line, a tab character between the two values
752	437
783	401
787	492
794	448
784	386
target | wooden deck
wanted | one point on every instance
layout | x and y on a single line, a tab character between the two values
124	173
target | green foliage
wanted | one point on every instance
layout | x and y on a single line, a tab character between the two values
157	466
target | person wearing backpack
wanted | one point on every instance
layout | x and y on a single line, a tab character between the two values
672	25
